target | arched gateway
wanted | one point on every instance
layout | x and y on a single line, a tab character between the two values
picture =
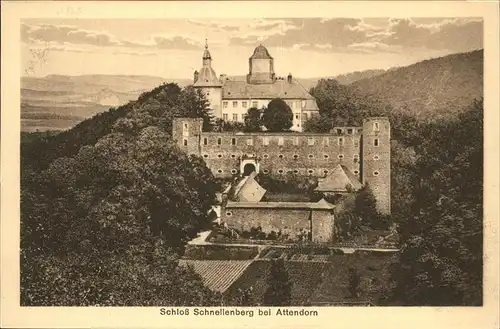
249	164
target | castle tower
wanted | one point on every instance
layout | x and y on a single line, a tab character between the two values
207	81
376	160
187	133
261	67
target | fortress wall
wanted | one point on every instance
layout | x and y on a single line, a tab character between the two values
296	153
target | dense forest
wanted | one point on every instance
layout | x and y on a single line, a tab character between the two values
101	206
436	195
101	203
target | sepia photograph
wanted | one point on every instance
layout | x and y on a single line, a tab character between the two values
233	166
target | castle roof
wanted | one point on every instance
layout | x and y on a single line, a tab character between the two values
248	190
207	78
338	180
320	205
238	88
261	52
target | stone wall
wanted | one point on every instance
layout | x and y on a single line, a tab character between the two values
365	150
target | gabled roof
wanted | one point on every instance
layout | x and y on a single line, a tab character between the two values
337	181
249	190
217	275
320	205
237	88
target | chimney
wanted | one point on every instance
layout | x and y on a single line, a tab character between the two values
196	74
289	78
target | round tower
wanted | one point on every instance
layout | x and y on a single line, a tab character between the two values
260	67
206	80
376	160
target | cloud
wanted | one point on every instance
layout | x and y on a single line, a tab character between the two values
450	34
216	26
69	35
66	34
176	42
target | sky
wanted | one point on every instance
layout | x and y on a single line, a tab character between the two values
172	48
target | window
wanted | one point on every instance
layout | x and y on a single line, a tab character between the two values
375	142
281	156
244	104
310	156
356	172
295	156
375	173
255	104
360	130
266	156
205	141
233	156
341	141
339	131
280	140
219	171
376	157
310	171
356	142
229	214
298	125
349	131
250	141
219	155
265	141
280	171
219	141
326	141
185	142
325	172
297	116
235	104
205	156
265	171
376	126
234	171
304	116
235	116
295	171
310	141
224	105
341	156
233	141
355	158
326	156
296	141
225	116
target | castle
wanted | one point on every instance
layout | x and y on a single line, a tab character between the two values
342	160
364	152
231	97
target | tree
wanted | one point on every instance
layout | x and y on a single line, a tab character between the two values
318	124
277	116
253	120
442	232
279	287
365	205
354	283
107	224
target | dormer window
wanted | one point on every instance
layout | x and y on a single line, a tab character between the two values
376	126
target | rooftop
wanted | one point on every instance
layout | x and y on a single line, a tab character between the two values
320	205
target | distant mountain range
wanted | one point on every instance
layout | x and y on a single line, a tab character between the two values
428	89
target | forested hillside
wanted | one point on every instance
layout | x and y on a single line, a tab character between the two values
109	205
436	194
432	89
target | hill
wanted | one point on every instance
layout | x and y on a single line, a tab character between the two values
58	102
431	89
